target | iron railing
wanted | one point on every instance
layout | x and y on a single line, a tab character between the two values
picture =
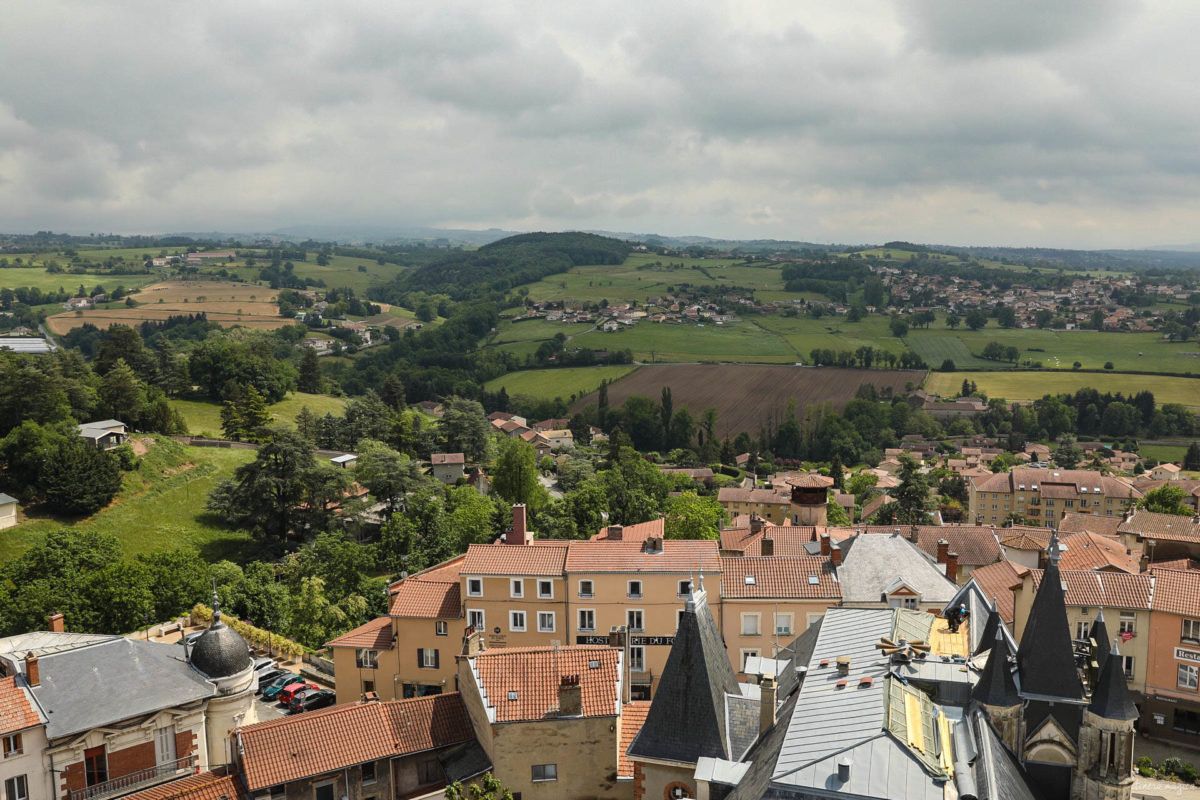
160	773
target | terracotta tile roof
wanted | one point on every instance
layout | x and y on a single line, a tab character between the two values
1177	592
733	539
1086	550
996	581
1074	522
788	540
333	738
432	594
538	558
438	459
1025	538
16	712
1151	525
785	577
521	683
1176	564
632	533
633	716
733	494
1075	478
811	480
1107	589
677	555
205	786
976	545
373	635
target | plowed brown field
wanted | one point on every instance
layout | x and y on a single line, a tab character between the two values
747	396
225	302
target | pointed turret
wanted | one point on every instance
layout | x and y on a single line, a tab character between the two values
991	630
1111	699
996	686
1099	635
1046	658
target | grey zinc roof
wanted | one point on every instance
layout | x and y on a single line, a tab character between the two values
96	685
875	562
41	643
6	499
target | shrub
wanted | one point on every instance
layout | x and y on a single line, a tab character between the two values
948	365
1108	365
1145	767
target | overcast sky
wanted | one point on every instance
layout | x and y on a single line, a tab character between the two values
1071	123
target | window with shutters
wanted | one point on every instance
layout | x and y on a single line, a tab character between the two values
427	657
12	745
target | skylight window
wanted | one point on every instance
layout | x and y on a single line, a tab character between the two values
594	664
512	695
749	580
813	580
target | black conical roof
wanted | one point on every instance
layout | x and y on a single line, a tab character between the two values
1111	699
1099	634
1046	657
988	636
996	686
686	720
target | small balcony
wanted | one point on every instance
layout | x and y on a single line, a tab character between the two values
125	784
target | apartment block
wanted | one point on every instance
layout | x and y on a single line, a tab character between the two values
1045	496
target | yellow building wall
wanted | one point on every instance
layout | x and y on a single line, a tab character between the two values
497	601
774	512
732	615
584	752
352	682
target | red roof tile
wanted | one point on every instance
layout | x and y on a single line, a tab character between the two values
678	555
976	545
373	635
538	558
1074	522
631	533
784	577
521	683
734	494
996	581
1104	589
438	459
333	738
1151	525
633	716
810	480
432	594
1177	591
205	786
1083	551
16	712
788	540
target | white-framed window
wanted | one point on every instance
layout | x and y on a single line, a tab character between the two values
16	788
587	619
366	659
428	657
633	619
634	589
1188	677
546	621
1127	666
637	658
1191	630
1128	622
441	628
474	587
368	772
12	745
546	589
750	626
685	588
475	618
516	587
1082	629
783	624
813	619
516	620
746	654
545	772
587	589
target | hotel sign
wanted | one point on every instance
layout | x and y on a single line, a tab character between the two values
637	641
1187	655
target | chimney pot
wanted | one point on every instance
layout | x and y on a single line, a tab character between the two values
767	546
914	534
519	534
472	641
57	623
942	551
32	671
952	567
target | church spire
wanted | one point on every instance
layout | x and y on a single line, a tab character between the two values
1111	699
1046	657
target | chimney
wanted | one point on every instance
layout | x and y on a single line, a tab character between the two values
616	532
57	625
518	533
472	642
952	567
756	523
843	666
570	696
943	551
653	545
768	690
825	544
32	674
835	556
914	534
768	547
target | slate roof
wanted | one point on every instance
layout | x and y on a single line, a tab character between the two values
538	558
1099	634
633	716
1088	550
16	712
677	555
872	563
373	635
976	545
1176	592
1045	656
687	716
520	684
433	594
1111	698
996	686
205	786
763	756
1151	525
333	738
778	577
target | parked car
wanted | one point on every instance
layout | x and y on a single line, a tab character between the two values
267	676
310	701
285	696
263	663
272	690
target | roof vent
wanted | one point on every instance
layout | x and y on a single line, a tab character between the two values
844	770
512	695
841	684
865	681
824	662
749	580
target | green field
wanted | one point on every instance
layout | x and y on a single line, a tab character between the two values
803	333
1015	385
547	384
204	418
667	341
1162	452
936	349
536	330
161	506
39	278
343	272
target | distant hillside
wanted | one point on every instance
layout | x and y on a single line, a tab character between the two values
502	265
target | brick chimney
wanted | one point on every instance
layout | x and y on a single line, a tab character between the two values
835	555
32	673
768	546
914	534
472	642
56	622
756	523
825	544
570	696
768	690
952	567
616	532
519	532
943	551
843	666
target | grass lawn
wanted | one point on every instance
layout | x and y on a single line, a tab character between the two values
1162	452
666	341
936	349
204	417
536	330
344	271
803	333
161	506
38	277
1015	385
567	383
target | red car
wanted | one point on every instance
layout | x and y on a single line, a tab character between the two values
285	697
